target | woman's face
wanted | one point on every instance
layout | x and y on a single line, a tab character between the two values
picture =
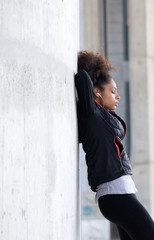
109	95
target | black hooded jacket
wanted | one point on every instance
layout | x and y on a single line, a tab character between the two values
101	132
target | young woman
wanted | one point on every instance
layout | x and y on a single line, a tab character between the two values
101	132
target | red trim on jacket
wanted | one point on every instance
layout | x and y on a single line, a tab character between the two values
117	148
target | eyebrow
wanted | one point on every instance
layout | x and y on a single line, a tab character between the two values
114	87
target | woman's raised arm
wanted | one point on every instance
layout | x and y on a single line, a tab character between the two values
84	86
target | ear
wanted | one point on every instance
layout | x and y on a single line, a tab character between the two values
96	90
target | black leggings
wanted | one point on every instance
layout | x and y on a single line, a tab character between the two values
129	215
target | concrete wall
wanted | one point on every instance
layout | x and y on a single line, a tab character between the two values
38	127
142	98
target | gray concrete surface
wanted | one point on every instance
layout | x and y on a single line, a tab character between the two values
39	192
142	98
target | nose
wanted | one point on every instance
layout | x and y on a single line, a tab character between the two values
118	96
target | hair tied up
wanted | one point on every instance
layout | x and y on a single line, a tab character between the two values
97	65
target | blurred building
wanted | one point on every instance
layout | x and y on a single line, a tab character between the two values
123	30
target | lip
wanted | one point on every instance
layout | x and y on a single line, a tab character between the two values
116	103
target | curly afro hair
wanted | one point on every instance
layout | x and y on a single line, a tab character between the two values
98	67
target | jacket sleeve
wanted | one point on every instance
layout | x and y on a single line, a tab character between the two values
84	86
